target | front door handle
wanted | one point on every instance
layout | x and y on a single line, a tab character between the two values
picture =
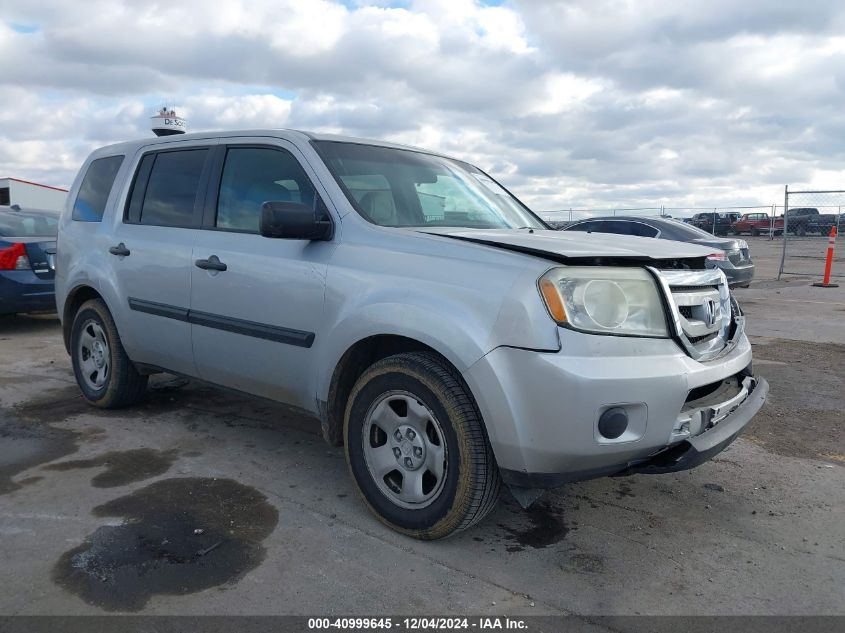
212	263
120	250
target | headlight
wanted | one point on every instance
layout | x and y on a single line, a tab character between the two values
604	300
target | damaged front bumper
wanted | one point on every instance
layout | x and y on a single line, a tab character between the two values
721	424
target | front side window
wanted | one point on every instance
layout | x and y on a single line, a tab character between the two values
398	187
253	176
171	191
90	203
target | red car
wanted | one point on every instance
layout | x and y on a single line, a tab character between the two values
756	224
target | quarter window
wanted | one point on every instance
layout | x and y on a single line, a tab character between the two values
171	191
255	175
90	203
643	230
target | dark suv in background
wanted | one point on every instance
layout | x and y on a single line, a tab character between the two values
716	223
803	220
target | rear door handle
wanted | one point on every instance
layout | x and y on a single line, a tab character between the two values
212	263
119	250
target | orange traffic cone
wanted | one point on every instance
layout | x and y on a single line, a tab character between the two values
831	243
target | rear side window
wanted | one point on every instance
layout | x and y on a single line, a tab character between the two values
172	188
613	226
643	230
25	224
165	189
253	176
90	204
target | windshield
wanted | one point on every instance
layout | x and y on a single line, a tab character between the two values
397	187
23	224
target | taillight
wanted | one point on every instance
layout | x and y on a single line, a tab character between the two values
14	258
717	257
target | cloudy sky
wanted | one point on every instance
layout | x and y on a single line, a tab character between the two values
575	103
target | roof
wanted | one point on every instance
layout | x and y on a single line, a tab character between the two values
679	230
35	184
638	218
271	132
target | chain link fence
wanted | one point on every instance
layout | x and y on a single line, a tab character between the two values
809	218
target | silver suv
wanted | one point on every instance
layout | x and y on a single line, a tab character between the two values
427	318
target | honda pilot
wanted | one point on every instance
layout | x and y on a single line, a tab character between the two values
433	324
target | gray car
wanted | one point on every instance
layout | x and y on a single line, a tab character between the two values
434	325
731	255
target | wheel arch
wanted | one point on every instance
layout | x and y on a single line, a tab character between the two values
75	298
353	362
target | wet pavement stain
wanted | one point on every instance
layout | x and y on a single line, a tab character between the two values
546	528
122	467
23	447
27	440
180	536
54	406
192	402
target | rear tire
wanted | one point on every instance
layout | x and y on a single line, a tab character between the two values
104	373
417	448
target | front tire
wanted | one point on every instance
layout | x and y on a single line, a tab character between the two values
417	448
104	373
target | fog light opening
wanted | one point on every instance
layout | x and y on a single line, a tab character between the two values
613	423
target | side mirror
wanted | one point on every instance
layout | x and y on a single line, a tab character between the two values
295	221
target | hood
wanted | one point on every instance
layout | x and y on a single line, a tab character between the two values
576	245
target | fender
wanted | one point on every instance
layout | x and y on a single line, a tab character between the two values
461	344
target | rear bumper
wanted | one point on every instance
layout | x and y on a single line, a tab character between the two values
24	291
738	275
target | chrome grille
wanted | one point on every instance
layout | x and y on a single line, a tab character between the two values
703	312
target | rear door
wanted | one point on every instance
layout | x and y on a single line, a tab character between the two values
254	323
151	253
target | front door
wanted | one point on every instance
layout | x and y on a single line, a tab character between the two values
256	302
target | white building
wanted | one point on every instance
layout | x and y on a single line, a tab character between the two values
31	194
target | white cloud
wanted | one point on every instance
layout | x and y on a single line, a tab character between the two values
582	103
